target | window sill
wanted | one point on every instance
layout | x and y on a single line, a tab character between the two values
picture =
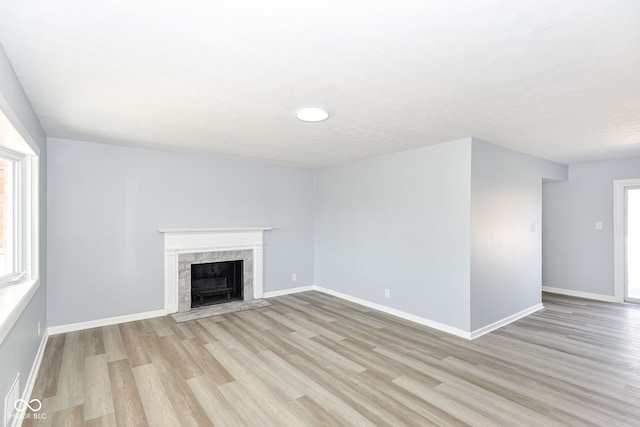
13	300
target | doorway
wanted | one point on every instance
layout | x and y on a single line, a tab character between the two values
627	240
632	249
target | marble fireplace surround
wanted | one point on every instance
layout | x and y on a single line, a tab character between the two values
185	261
183	247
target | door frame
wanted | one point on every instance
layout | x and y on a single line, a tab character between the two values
619	225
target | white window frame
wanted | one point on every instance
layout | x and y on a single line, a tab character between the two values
21	223
16	294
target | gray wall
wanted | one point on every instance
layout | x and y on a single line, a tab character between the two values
446	228
106	204
577	257
19	348
506	199
401	222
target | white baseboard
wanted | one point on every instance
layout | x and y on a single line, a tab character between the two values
411	317
504	322
31	379
53	330
282	292
394	312
398	313
580	294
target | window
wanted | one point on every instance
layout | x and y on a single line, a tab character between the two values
19	219
18	207
11	210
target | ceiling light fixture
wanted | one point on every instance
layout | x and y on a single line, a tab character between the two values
312	114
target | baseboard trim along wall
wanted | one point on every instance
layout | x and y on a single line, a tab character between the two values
398	313
504	322
297	290
410	317
31	379
53	330
580	294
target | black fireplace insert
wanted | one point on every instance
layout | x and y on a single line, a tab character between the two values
216	282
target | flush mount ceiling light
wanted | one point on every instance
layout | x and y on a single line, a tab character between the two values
312	114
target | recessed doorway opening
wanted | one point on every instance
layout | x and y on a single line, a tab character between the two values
632	247
626	239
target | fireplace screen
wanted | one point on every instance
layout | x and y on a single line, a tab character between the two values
216	282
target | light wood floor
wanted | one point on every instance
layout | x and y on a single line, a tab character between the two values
312	359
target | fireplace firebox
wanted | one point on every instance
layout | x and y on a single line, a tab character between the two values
216	282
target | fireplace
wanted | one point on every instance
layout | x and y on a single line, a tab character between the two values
214	264
216	282
185	247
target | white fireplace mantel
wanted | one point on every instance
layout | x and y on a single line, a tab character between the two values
212	230
189	240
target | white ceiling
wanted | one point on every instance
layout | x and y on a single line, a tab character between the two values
557	79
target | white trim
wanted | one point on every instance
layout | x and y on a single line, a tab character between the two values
504	322
11	418
19	133
18	417
283	292
580	294
410	317
171	284
32	238
178	241
214	249
211	230
619	187
392	311
13	301
401	314
54	330
20	208
33	373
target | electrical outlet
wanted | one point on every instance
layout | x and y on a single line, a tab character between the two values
39	331
294	277
387	293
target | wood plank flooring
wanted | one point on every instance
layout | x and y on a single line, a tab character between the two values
311	359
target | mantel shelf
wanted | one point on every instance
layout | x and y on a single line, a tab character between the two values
212	230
